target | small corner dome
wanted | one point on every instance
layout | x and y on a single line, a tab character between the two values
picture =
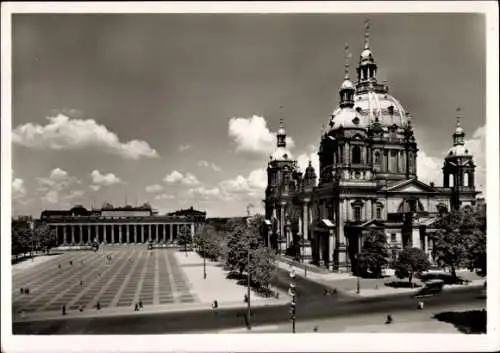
459	130
346	84
366	53
459	151
281	154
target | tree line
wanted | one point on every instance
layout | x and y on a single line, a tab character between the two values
458	241
25	240
239	244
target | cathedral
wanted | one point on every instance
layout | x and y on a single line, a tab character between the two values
367	179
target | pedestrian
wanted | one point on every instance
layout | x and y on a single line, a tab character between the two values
81	283
80	308
71	263
315	329
136	307
140	303
27	291
420	305
64	309
22	290
389	319
245	298
98	306
215	304
59	266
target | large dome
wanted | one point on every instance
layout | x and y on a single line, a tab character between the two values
383	106
348	118
368	106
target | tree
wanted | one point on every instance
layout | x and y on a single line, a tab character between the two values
209	243
262	266
21	237
45	237
374	254
411	261
242	240
458	240
184	237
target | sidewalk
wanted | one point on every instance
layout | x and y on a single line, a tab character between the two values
216	286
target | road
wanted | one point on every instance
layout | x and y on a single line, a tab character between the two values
311	305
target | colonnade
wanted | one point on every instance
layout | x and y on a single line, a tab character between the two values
119	233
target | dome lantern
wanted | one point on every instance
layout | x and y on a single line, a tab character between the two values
347	89
367	68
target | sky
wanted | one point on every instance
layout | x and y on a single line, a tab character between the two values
180	110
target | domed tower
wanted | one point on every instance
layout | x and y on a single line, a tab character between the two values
344	149
392	149
281	181
458	169
309	180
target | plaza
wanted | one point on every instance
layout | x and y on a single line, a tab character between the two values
162	279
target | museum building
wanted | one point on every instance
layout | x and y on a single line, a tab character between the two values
120	225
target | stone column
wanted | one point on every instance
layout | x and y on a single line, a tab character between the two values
127	233
306	219
171	232
331	249
120	226
89	235
149	234
104	233
96	237
192	230
282	221
81	235
65	235
143	227
157	235
72	234
113	239
369	209
134	231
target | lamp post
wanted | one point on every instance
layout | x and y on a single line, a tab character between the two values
204	258
293	302
32	227
248	287
357	267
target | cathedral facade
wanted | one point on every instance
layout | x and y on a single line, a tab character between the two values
367	179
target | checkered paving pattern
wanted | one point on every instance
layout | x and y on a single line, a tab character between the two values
134	273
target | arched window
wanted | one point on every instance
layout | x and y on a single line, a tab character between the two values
452	181
357	213
377	159
379	212
356	155
466	179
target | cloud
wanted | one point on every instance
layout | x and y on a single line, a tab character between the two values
99	179
206	164
154	188
429	167
252	135
185	147
18	189
304	158
178	178
253	185
164	197
65	133
95	187
207	193
57	188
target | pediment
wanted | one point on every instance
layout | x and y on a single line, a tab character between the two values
412	186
